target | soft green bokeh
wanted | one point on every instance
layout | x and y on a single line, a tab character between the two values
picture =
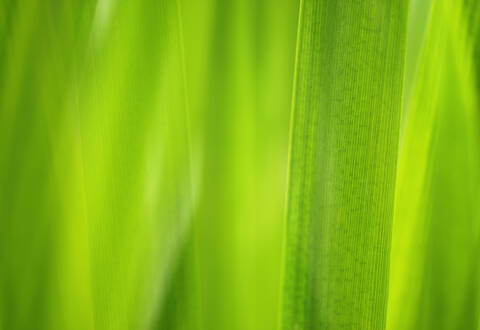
143	162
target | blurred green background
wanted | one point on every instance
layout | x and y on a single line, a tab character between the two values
143	164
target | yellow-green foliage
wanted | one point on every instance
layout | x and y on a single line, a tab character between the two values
145	149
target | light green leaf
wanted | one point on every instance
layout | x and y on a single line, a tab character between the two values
433	271
345	128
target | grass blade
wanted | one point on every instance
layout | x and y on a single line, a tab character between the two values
346	116
433	271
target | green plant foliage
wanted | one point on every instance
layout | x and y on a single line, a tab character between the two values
433	270
157	172
345	124
142	162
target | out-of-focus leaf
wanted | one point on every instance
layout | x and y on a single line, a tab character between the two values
433	273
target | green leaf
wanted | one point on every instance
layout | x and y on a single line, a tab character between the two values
344	137
433	271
